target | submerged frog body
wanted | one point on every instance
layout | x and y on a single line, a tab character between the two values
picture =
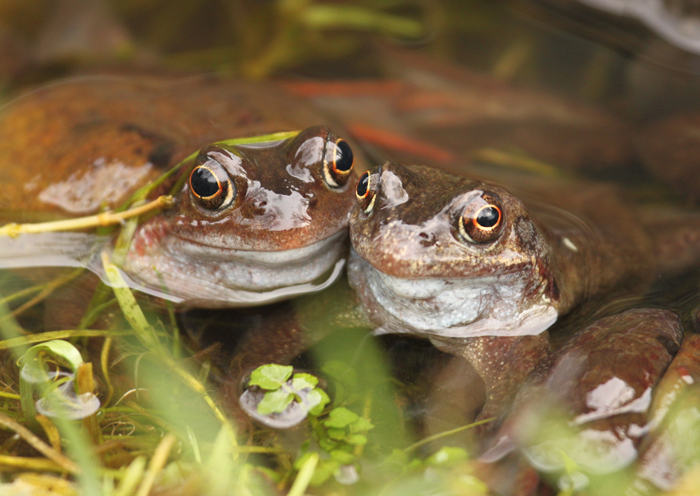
483	275
250	224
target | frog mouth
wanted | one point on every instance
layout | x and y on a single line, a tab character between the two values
219	297
188	249
496	305
208	276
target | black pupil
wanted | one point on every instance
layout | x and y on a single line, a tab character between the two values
343	156
204	182
363	184
488	217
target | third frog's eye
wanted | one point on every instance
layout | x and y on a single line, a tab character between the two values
337	163
365	192
211	186
482	220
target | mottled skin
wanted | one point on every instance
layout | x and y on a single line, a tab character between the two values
600	385
73	148
409	242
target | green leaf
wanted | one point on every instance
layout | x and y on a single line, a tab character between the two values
274	402
61	351
299	462
340	417
361	425
338	434
356	439
342	457
318	399
327	444
324	470
271	376
302	381
447	455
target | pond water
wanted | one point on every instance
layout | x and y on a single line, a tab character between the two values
587	117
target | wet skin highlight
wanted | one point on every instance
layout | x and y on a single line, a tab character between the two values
77	147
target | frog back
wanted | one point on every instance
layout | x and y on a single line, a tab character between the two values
78	146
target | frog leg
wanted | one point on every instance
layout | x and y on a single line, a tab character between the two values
502	362
280	332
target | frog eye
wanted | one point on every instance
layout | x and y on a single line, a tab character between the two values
337	163
482	220
365	193
211	186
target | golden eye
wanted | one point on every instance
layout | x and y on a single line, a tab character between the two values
211	186
482	220
365	193
337	163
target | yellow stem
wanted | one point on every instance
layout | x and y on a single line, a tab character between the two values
27	463
304	476
49	336
100	220
39	445
160	456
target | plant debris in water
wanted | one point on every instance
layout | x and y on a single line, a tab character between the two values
133	409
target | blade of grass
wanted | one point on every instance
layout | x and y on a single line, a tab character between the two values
46	290
51	432
160	456
13	230
132	476
79	448
304	476
145	190
104	357
26	463
440	435
148	337
49	336
39	445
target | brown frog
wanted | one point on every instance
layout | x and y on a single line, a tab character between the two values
597	401
482	273
251	223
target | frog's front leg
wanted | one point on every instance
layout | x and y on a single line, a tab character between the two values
502	362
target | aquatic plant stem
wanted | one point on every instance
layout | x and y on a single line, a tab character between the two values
45	292
100	220
50	336
51	432
39	445
104	358
304	476
440	435
149	339
160	456
27	463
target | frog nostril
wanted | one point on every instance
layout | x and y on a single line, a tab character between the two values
428	239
